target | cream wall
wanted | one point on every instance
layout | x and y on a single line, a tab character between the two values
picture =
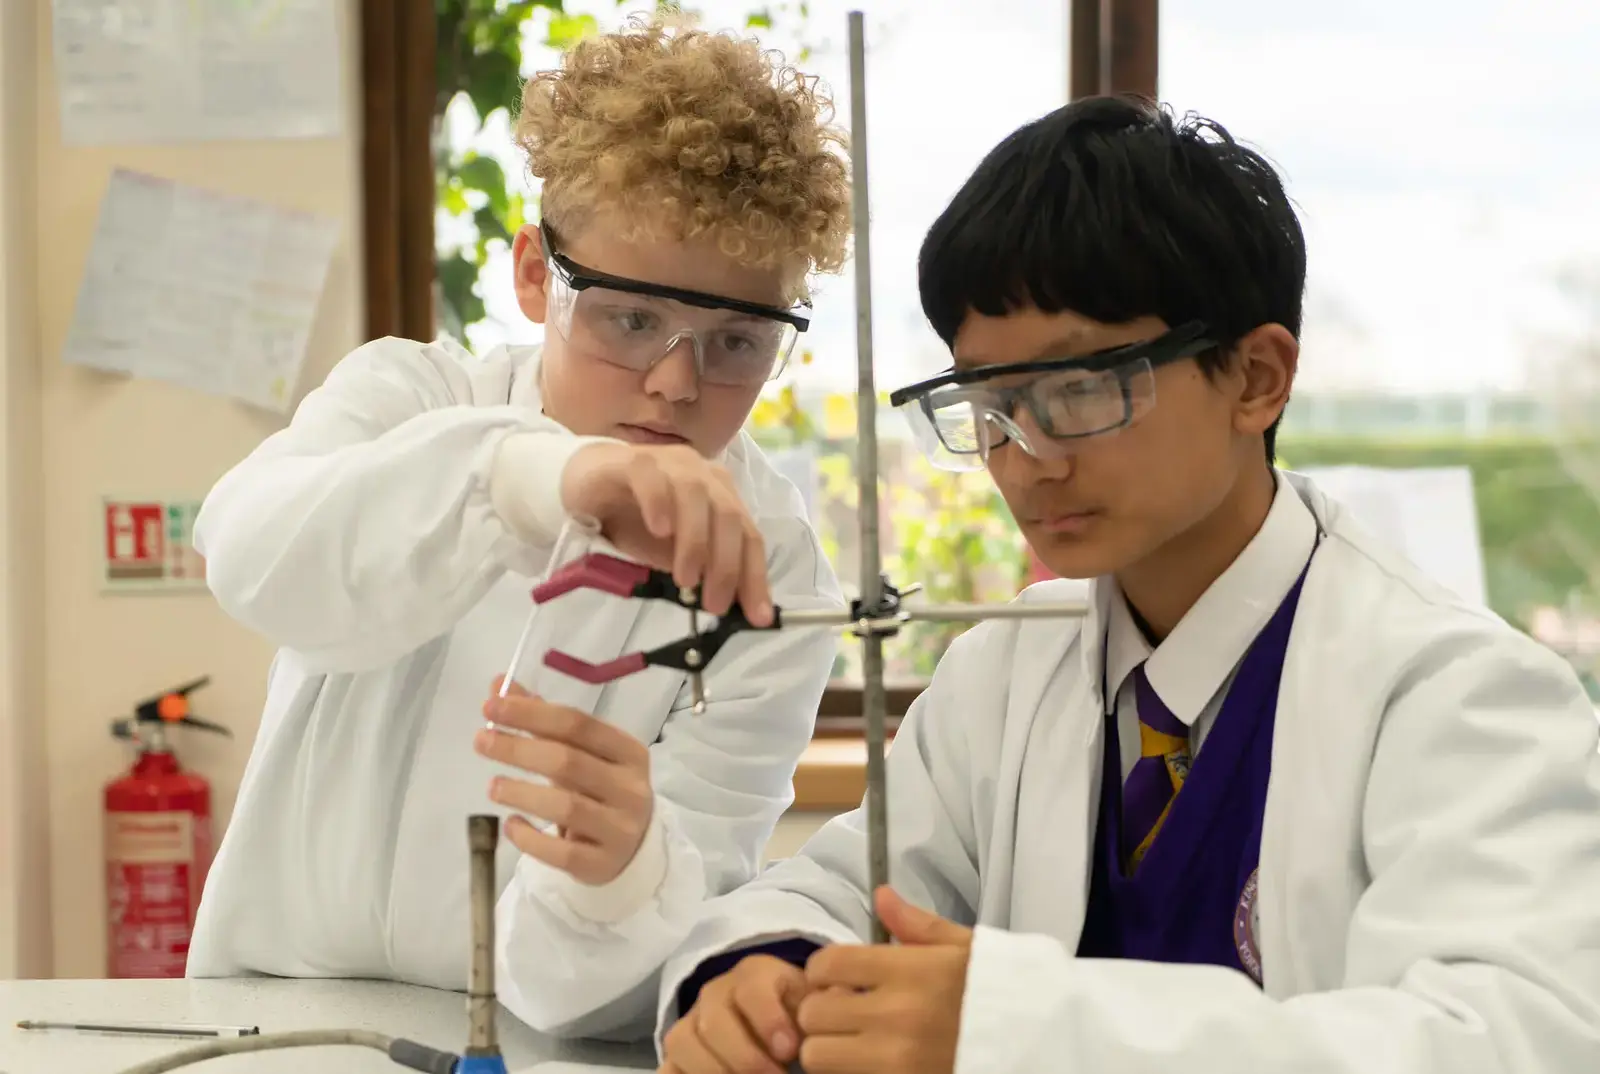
24	860
100	435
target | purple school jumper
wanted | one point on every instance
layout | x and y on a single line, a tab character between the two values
1192	898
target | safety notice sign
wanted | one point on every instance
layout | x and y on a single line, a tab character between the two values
149	544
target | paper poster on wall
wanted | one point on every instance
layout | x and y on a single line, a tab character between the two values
149	545
184	70
1428	514
211	291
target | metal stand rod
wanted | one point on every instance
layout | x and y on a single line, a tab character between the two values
483	837
871	580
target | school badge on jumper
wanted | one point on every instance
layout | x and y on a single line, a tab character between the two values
1246	928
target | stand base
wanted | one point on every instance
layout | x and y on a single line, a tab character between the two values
482	1064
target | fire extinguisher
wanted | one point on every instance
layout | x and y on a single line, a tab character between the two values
158	842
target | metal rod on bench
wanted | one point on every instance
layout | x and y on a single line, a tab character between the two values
483	838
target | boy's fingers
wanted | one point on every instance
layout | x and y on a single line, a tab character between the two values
911	924
834	1011
652	492
724	570
584	861
766	1006
576	816
514	690
563	765
727	1037
854	1054
688	1048
755	592
561	723
859	966
691	537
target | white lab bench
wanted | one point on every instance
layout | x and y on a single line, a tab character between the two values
437	1019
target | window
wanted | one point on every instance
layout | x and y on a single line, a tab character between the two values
927	133
397	42
1453	302
1452	310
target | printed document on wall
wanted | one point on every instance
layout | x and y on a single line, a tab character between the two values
177	70
1428	514
211	291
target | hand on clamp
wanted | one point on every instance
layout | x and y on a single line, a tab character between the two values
622	578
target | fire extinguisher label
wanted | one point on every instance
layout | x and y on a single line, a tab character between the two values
154	868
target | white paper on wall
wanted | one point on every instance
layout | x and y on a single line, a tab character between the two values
182	70
1430	515
210	291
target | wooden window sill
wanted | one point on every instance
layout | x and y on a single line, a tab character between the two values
832	775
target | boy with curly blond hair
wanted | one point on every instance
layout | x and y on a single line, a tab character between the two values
386	541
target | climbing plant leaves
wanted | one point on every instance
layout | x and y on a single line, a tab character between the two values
479	59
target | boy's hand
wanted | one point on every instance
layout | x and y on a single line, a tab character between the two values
743	1022
887	1009
599	795
677	511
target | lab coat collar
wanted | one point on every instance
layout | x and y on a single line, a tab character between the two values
525	377
1191	665
522	359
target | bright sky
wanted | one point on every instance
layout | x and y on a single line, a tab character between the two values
1441	153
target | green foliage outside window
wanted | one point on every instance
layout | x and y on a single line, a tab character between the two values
479	58
1540	526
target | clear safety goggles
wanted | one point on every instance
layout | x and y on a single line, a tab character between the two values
958	417
635	324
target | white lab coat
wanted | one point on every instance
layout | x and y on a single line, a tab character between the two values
1429	869
362	540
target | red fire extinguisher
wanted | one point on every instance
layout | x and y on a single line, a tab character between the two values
157	843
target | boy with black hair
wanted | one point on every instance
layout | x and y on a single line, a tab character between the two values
1277	803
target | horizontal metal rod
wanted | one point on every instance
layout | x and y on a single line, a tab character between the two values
976	613
947	613
815	617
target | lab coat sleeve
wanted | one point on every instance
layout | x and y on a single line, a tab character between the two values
366	528
582	961
823	893
1474	950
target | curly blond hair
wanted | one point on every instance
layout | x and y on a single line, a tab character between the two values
687	134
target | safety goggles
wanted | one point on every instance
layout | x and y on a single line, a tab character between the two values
634	324
958	417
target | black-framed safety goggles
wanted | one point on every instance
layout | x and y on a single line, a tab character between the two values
959	416
580	278
635	323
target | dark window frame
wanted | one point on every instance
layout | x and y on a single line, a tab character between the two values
397	180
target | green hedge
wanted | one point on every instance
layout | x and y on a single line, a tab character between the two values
1540	528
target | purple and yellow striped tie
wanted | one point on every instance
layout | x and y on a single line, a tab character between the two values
1157	776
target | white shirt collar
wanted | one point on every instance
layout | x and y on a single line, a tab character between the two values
524	361
1190	666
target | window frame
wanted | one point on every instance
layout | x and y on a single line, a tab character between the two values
398	42
1112	46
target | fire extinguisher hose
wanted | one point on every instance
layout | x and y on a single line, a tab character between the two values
405	1052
